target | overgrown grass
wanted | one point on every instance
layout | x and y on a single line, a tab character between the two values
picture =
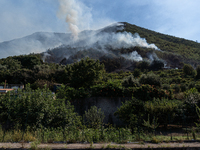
70	135
89	135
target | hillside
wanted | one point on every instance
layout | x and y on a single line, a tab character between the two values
124	44
127	67
119	46
35	43
188	51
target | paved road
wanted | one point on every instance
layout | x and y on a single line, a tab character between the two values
100	146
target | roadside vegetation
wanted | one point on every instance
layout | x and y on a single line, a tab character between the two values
157	99
160	100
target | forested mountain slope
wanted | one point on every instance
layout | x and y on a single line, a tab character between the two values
188	51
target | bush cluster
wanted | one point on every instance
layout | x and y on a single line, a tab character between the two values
36	108
188	69
130	81
150	79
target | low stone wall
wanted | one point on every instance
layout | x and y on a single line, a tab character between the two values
108	106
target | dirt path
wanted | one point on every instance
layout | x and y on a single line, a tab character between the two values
100	146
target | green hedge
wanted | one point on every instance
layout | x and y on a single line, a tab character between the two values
144	92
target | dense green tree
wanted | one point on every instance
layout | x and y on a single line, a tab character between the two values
151	79
36	108
130	81
10	63
192	98
157	65
143	65
131	112
188	69
198	72
84	73
29	61
163	109
94	117
136	72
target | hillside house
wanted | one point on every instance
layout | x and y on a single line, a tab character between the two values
12	86
3	91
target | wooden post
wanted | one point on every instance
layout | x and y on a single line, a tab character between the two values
5	85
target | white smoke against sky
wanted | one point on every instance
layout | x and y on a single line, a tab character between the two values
107	41
76	14
78	17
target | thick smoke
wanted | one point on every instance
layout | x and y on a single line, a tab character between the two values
105	40
76	15
120	40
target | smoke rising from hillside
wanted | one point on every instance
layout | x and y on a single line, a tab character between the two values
103	40
76	15
68	8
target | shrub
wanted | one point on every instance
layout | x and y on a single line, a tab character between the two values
130	112
41	84
136	72
36	108
143	65
183	87
108	89
94	117
157	65
166	86
191	100
191	85
163	74
176	88
160	108
70	93
147	92
150	79
188	69
197	86
130	81
198	72
84	73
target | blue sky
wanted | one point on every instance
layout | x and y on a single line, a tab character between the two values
179	18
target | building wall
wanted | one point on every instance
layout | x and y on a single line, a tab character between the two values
12	86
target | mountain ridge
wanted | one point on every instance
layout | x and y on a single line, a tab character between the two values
173	49
35	43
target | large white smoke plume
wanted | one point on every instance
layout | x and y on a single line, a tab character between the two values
106	41
76	15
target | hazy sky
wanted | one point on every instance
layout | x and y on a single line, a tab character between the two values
179	18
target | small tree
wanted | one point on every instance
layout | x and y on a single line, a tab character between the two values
198	72
130	81
157	65
84	73
94	117
36	108
163	109
198	113
192	98
131	112
143	65
151	125
188	69
136	72
150	79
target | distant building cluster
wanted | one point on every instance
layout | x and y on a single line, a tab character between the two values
10	87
